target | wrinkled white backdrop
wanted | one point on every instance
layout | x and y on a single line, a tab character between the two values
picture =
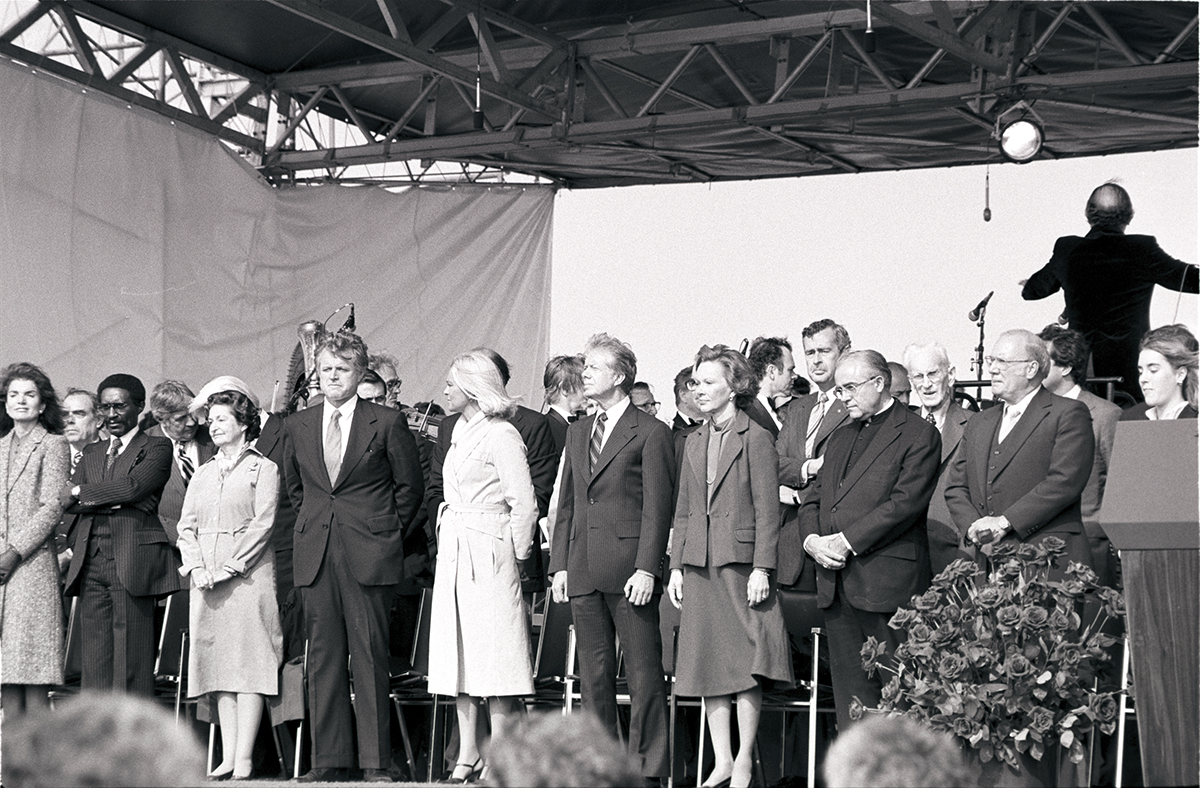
128	244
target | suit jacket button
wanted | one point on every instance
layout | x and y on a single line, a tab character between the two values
990	467
996	452
591	501
834	509
332	497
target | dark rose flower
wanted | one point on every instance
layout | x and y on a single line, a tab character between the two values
1009	569
919	633
951	614
856	708
1002	550
1073	587
1041	720
1009	616
1114	601
1103	708
1054	546
1081	572
1018	667
1069	654
1060	621
989	597
964	728
891	690
871	652
1035	617
959	568
951	666
903	652
1027	551
927	601
902	618
943	635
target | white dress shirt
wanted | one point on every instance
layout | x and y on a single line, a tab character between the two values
345	418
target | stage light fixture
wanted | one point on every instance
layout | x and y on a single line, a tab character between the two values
1021	140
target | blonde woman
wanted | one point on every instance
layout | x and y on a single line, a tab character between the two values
479	637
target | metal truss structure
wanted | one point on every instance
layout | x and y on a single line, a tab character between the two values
584	93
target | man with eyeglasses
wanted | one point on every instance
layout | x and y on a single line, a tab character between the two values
1022	468
808	421
864	524
932	377
122	558
190	447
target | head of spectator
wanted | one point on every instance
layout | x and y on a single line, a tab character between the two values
642	398
497	360
474	385
372	388
772	361
895	751
1167	368
169	403
81	426
609	370
199	405
432	408
563	382
341	364
553	751
824	343
1017	365
29	399
388	368
931	375
1109	208
98	740
122	398
232	420
863	383
901	386
724	380
685	397
1069	351
801	386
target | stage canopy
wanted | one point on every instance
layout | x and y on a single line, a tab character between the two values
584	93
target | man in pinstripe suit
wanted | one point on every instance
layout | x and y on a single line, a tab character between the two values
122	558
614	515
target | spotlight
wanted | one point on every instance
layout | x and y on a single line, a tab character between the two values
1021	141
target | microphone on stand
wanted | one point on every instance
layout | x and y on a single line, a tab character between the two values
977	311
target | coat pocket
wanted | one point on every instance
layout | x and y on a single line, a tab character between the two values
384	524
151	537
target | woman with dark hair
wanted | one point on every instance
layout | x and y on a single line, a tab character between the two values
1167	362
34	465
224	536
732	638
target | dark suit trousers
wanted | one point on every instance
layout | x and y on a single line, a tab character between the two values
598	616
344	617
847	629
116	629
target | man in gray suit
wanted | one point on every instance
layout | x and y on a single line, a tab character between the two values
808	422
614	514
190	447
932	377
1068	371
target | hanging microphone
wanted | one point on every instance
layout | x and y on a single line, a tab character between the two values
977	311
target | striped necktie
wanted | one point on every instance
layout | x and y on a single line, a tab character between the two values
815	417
185	465
114	449
597	441
333	447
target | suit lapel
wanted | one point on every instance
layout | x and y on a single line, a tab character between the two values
835	417
362	431
889	433
129	457
696	450
731	449
1035	411
988	421
952	430
622	433
5	448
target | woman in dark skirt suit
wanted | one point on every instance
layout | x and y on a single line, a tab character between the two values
732	637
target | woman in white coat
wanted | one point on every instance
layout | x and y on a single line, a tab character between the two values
479	635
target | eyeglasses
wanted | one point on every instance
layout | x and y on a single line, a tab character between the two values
850	389
992	360
933	377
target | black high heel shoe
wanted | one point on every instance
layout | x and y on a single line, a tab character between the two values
469	777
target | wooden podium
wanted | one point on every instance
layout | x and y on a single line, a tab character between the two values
1151	515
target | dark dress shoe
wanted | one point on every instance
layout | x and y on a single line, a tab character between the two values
326	775
376	776
216	778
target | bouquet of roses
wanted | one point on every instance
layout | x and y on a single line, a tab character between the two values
1002	659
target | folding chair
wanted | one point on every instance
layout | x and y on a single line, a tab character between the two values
801	616
409	688
554	677
170	666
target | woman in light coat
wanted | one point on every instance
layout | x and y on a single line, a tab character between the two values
224	541
34	463
479	636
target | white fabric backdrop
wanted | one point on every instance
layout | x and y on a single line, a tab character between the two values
131	245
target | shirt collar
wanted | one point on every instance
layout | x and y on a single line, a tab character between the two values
615	413
939	415
346	411
561	411
126	438
882	413
1173	413
1074	392
1021	404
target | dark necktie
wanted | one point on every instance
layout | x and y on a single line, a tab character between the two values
929	418
333	448
185	465
597	440
114	449
76	456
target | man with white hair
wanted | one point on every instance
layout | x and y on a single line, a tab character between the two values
1022	467
932	378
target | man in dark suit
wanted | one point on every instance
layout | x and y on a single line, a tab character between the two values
270	443
1068	351
1021	468
932	377
81	428
808	421
564	396
1108	279
190	447
354	478
771	359
687	415
864	524
122	559
614	515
